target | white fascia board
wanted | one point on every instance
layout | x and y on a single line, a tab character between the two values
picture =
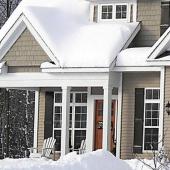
129	69
113	1
74	70
11	37
158	62
36	80
41	41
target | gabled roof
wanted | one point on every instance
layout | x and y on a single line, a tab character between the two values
160	47
64	31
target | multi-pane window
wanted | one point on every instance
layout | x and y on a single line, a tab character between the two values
107	11
151	119
121	11
57	119
78	119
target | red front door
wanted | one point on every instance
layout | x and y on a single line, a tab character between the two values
99	125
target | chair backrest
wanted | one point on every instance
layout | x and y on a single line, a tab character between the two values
48	146
82	147
82	144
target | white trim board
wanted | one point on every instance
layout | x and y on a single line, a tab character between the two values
53	79
133	69
74	70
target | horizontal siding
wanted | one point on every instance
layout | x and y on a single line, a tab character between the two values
15	69
149	13
25	52
130	82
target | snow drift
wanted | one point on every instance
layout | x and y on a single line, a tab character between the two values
98	160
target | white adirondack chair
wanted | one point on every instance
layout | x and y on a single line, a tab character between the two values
48	147
82	148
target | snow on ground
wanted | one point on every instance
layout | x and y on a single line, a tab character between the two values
97	160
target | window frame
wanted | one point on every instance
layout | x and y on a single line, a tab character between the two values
73	104
114	12
100	10
127	12
144	117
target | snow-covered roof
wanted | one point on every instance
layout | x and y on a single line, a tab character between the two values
65	28
133	57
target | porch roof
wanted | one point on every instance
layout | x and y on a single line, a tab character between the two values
74	40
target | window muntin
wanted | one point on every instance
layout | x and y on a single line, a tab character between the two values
107	12
151	119
57	119
78	119
121	11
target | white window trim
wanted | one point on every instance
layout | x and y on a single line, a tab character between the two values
144	127
73	115
127	19
127	12
100	12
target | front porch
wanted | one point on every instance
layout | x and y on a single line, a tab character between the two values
65	107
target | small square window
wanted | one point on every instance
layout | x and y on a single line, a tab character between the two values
58	98
58	109
156	94
121	11
107	11
149	94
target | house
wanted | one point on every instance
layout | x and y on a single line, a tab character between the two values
99	69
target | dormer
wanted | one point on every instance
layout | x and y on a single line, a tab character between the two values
113	10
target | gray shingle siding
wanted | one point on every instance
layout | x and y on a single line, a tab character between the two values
149	13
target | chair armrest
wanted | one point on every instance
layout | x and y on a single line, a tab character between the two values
32	149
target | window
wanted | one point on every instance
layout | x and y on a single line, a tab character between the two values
78	119
121	11
78	123
107	12
151	119
57	119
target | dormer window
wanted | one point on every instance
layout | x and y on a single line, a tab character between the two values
107	12
121	11
115	11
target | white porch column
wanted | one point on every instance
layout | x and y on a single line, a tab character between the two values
119	118
90	122
36	111
65	120
161	114
107	117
